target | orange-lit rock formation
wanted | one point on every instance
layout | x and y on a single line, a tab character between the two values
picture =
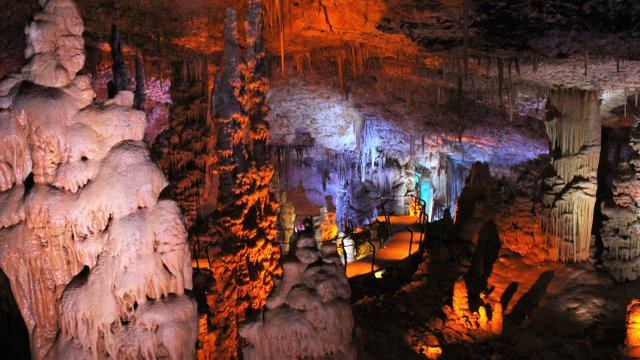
632	341
246	214
98	265
463	322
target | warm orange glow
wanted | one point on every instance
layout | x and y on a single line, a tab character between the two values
428	346
414	209
329	228
434	62
200	36
127	51
633	329
433	352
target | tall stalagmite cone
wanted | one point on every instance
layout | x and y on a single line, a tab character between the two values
119	67
245	212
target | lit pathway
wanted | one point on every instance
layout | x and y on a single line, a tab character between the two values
395	250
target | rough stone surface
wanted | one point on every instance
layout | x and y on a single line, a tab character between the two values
98	266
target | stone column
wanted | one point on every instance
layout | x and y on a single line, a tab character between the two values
574	127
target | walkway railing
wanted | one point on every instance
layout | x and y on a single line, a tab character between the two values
421	221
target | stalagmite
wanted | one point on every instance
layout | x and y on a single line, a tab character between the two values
621	224
119	67
460	297
98	265
308	314
246	212
573	125
286	220
462	320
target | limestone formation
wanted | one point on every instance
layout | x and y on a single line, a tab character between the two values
119	66
621	224
286	220
98	265
246	213
140	96
308	314
184	149
462	321
574	126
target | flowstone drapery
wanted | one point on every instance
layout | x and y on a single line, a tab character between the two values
98	265
574	128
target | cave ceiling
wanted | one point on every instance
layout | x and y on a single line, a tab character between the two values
544	43
549	28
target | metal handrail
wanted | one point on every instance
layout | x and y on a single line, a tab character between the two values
411	239
387	218
373	256
350	229
344	256
206	250
196	245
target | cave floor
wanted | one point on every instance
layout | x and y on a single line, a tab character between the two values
552	310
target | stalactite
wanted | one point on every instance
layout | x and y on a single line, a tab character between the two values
586	63
184	150
488	65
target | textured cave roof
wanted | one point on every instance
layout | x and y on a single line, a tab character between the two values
552	28
561	34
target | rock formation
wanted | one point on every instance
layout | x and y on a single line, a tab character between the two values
632	341
574	127
140	96
308	314
98	265
119	67
184	151
286	221
462	321
518	217
247	254
621	224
